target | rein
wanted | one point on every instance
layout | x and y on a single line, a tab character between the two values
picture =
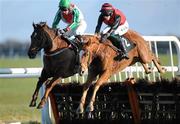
55	53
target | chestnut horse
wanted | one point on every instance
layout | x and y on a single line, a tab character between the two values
59	60
98	58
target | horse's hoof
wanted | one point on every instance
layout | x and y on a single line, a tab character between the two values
90	115
80	110
40	106
163	70
90	108
148	72
32	104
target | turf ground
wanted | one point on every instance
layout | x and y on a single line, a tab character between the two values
15	94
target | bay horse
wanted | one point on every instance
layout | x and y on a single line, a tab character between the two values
98	59
59	60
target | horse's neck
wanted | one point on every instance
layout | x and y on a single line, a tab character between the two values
58	43
95	49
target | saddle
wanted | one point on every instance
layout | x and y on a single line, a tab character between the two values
127	44
73	43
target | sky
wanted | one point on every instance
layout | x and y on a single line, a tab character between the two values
148	17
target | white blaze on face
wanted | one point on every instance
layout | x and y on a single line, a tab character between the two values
83	68
80	54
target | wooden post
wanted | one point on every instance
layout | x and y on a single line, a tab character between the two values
133	100
54	108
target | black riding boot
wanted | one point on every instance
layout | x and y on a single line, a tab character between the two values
79	41
123	48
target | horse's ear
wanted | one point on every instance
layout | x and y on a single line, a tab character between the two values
87	42
34	25
44	24
57	31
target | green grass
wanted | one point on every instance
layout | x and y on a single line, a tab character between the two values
19	62
15	94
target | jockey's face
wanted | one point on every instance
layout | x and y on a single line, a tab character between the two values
64	10
107	17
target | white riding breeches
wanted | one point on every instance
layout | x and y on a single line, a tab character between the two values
79	30
122	29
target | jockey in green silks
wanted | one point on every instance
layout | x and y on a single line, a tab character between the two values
70	14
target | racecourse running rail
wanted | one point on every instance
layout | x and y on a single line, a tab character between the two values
173	68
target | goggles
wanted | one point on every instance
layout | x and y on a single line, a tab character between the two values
105	13
63	9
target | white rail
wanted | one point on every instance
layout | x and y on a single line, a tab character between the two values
35	72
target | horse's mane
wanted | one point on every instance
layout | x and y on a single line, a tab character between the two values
50	34
44	24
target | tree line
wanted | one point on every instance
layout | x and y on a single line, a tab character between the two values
15	48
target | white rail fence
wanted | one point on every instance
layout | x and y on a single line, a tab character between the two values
136	70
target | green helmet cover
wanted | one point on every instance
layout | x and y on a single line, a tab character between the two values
64	3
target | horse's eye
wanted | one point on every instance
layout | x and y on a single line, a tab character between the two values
86	53
35	34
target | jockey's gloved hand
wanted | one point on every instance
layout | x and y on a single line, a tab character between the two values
63	31
104	37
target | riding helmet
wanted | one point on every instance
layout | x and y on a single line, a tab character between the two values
64	4
106	9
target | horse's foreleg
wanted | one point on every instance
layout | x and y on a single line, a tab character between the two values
80	109
35	94
102	79
91	77
49	87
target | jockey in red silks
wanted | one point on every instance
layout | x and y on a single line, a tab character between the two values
70	14
117	25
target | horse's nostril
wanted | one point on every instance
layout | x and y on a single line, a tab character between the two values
81	73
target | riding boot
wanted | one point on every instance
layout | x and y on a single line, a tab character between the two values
123	48
79	41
